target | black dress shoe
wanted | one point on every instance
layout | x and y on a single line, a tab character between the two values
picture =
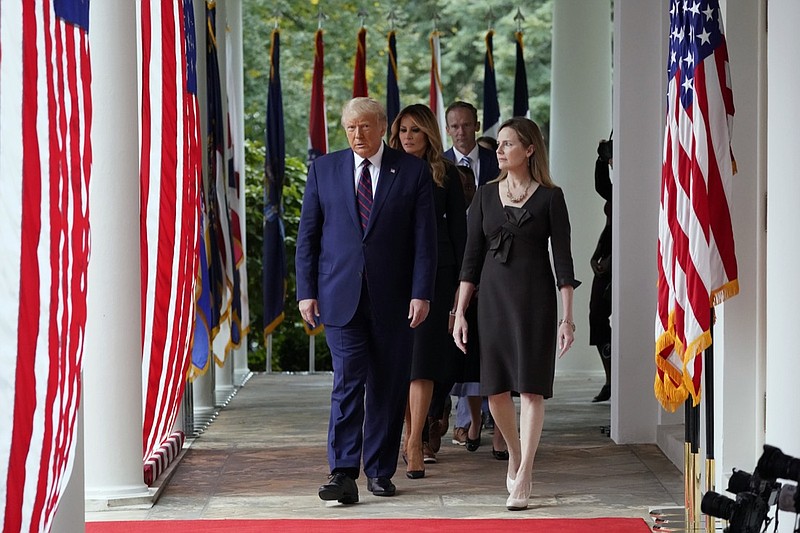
473	444
604	394
341	488
381	486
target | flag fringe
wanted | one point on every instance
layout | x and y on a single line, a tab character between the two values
728	290
194	371
313	332
272	325
669	396
225	353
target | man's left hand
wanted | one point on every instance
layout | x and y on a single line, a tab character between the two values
418	311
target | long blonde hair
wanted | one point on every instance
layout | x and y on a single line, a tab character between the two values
530	134
426	120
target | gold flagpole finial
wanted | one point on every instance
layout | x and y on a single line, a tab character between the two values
520	19
362	14
277	17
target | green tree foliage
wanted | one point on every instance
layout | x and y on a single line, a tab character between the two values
290	343
462	27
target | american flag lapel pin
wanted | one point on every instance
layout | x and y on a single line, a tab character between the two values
392	170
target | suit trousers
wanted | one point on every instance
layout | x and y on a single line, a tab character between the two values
371	369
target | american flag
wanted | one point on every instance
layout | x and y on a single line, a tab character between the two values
360	72
436	98
696	257
46	158
170	163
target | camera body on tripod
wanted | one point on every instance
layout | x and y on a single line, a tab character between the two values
756	493
754	497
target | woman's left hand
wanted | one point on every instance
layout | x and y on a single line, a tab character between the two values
566	336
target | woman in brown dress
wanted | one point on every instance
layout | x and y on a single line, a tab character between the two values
511	223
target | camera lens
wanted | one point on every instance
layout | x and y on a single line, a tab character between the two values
715	504
776	464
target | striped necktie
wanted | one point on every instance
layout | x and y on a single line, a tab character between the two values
364	196
466	161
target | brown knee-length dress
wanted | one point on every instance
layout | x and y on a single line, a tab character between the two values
507	255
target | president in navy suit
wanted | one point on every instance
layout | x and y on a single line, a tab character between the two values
462	127
366	264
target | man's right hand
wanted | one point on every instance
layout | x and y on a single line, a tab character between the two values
309	310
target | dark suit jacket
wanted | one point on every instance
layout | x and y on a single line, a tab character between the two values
397	253
488	161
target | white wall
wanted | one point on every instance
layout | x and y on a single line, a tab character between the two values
783	219
580	115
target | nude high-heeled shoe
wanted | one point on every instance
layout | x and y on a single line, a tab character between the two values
510	484
518	504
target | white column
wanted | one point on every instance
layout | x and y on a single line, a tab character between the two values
203	399
223	384
71	512
234	16
580	115
113	349
783	218
639	65
739	334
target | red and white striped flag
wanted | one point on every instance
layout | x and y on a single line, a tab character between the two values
696	257
46	158
170	163
436	98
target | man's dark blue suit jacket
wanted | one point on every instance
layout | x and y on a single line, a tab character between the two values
397	252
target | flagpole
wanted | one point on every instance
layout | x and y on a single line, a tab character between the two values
690	470
708	370
312	348
269	354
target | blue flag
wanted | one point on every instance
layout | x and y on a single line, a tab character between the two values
392	91
491	107
274	258
521	108
201	345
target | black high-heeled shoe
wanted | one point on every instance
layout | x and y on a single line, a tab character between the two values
473	444
604	395
500	455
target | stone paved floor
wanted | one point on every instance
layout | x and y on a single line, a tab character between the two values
264	457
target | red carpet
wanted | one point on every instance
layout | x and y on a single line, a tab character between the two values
426	525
